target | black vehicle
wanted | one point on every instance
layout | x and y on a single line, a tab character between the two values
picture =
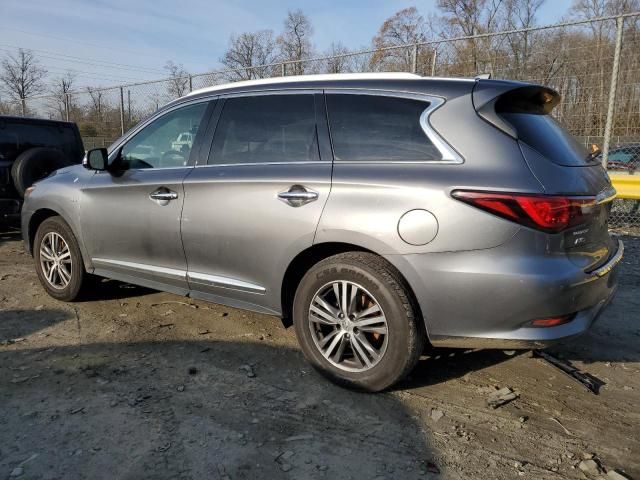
30	149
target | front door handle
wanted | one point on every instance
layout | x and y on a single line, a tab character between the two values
298	195
163	195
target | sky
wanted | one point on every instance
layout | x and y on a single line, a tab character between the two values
109	42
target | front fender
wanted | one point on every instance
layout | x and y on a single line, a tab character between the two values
59	195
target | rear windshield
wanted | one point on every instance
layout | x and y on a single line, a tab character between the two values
544	134
15	138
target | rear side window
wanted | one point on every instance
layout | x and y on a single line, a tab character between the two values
16	138
373	128
266	129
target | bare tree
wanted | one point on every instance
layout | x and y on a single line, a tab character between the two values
521	14
96	102
468	18
404	27
61	102
338	64
248	53
178	79
22	76
295	41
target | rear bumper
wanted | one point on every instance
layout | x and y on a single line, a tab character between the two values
487	298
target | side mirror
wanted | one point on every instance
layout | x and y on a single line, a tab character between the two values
96	159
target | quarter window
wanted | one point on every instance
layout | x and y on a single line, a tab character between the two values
266	129
166	142
377	128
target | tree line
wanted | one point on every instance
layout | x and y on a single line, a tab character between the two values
577	61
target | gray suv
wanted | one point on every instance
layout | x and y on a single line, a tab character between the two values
377	213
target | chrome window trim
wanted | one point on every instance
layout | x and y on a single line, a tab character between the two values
255	164
150	169
449	155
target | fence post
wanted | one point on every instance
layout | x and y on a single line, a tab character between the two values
612	91
66	106
414	66
283	69
433	62
122	110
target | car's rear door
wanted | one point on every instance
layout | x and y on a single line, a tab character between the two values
131	214
257	201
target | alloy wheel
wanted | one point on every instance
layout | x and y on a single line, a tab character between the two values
55	260
348	326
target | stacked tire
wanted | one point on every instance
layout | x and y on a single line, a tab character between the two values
35	164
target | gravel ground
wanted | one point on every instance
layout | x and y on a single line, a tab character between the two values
134	383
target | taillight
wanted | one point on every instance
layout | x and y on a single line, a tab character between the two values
542	212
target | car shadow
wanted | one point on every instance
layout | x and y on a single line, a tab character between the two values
107	289
15	325
201	409
440	365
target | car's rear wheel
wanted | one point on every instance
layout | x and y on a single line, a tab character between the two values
356	322
58	259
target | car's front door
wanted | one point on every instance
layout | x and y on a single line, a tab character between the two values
257	201
131	213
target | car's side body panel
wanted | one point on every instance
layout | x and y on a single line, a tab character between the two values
128	232
236	229
230	239
238	235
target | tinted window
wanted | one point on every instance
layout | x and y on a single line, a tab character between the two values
372	128
544	134
166	142
271	128
15	138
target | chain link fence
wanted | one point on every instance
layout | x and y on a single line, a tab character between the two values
594	64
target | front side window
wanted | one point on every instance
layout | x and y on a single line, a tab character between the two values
266	129
377	128
166	142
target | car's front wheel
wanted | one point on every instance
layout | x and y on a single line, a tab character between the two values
356	322
58	259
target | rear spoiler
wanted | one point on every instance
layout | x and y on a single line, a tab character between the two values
490	98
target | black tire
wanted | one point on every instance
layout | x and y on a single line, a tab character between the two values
406	331
78	275
35	164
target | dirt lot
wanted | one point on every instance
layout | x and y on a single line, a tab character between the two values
138	384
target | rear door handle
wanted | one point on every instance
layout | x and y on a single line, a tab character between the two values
163	195
298	195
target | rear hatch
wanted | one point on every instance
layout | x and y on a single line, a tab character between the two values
563	166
